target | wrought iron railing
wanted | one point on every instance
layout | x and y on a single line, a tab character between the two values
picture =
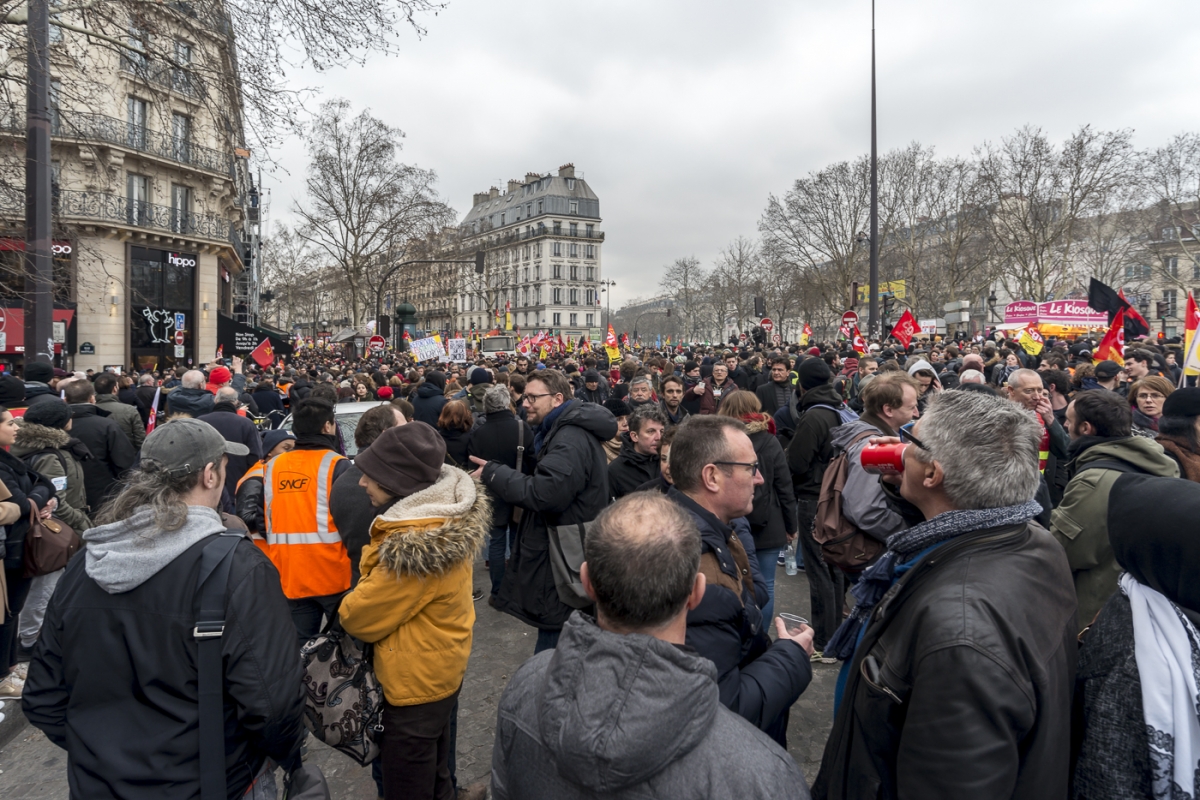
101	128
140	214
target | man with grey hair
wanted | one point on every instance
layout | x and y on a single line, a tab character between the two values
1025	388
715	470
653	702
638	460
191	397
961	645
641	393
230	422
971	376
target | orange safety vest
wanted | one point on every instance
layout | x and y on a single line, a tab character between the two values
301	538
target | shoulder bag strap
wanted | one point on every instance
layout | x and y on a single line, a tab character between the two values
517	512
215	562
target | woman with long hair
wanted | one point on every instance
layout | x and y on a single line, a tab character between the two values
454	424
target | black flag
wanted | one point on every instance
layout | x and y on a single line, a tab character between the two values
1102	297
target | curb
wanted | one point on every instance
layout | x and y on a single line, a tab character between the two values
14	721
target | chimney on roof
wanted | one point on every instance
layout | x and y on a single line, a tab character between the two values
478	198
493	193
530	177
566	171
513	185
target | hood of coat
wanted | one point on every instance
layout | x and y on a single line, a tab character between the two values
36	388
121	556
108	398
1144	453
843	434
607	696
755	423
825	395
476	392
922	364
630	453
32	437
79	410
596	420
434	529
427	390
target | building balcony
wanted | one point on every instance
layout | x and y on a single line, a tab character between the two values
87	127
508	237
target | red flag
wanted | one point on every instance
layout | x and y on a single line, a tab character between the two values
220	351
1112	346
153	411
859	344
263	354
906	328
1132	313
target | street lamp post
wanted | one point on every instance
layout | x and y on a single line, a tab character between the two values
608	284
873	299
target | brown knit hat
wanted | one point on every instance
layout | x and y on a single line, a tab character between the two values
404	459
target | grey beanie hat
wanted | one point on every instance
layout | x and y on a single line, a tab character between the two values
498	398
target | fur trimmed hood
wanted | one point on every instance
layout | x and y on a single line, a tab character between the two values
32	437
435	529
758	422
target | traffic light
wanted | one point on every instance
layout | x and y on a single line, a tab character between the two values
479	262
889	303
385	326
760	307
854	295
1163	308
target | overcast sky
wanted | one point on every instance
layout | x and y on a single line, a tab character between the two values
684	116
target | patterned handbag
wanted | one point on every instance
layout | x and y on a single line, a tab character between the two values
343	700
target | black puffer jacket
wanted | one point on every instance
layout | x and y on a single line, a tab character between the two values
25	485
496	440
113	679
774	516
427	402
570	484
971	657
630	469
759	680
112	453
810	450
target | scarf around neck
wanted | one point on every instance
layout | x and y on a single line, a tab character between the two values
878	578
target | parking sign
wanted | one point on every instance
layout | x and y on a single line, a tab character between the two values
179	321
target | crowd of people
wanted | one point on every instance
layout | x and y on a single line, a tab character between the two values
995	546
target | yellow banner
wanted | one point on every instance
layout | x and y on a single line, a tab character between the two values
899	290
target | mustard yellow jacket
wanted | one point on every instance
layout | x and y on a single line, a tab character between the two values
414	599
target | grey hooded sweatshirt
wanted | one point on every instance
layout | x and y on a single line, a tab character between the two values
629	716
864	504
123	555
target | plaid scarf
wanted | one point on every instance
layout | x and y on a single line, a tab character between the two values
879	577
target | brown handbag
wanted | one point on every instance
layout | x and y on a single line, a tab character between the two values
49	545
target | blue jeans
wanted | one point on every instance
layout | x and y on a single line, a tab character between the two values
497	552
768	562
547	640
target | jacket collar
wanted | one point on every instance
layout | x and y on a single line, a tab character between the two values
870	418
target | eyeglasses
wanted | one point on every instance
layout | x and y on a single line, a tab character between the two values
1151	396
907	436
753	465
529	398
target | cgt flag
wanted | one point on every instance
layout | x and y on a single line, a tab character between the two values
906	328
858	342
263	354
1191	346
1112	346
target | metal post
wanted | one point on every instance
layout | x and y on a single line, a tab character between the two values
39	270
873	300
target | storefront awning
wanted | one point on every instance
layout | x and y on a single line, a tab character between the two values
12	328
239	339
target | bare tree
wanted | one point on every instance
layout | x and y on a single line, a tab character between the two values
684	281
737	276
362	202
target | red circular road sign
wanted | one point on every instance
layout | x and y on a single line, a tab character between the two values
179	337
376	343
850	318
767	325
777	339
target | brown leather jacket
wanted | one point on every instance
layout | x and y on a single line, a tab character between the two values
961	686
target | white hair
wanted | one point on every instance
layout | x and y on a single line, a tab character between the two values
987	446
971	376
192	379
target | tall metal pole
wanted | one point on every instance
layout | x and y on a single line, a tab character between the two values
873	309
39	270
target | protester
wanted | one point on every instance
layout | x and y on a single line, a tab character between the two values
808	454
1136	681
1179	431
276	441
40	383
429	399
112	452
191	398
714	388
414	600
113	679
234	428
455	424
715	473
672	389
984	684
641	393
638	461
270	404
499	439
650	699
127	417
1146	397
620	410
1102	449
773	518
775	394
569	485
593	391
285	502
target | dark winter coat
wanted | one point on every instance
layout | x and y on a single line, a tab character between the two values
38	392
769	397
146	395
126	416
969	693
496	440
113	679
774	516
112	454
56	455
456	446
757	679
26	486
598	397
193	402
269	402
656	710
427	402
353	514
569	485
630	469
810	450
130	397
238	429
679	416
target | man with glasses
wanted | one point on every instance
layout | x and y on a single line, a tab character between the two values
569	485
714	468
1025	388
